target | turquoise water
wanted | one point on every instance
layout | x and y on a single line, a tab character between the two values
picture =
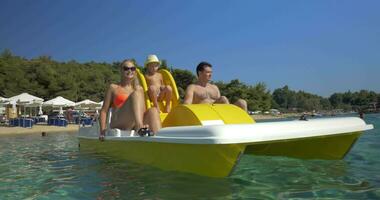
52	167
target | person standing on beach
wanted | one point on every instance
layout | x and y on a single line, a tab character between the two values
205	92
157	91
128	105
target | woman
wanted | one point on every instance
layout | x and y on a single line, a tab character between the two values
128	104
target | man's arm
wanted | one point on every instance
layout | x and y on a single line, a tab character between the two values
189	95
217	91
220	99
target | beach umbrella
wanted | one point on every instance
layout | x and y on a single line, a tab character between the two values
59	102
14	109
24	99
31	104
100	106
60	111
40	111
87	103
3	100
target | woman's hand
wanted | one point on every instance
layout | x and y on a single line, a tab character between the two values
102	135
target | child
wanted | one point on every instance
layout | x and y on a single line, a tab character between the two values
157	91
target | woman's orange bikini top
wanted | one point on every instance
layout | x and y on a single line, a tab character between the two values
119	100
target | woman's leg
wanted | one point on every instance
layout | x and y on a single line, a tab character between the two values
152	118
131	113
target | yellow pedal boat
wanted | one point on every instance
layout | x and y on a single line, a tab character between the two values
208	140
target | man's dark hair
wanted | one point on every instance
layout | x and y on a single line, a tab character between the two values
201	66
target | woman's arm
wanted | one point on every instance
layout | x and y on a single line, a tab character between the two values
104	112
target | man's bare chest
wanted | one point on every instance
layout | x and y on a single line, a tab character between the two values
206	93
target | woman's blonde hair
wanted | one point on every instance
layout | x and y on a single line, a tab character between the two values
136	81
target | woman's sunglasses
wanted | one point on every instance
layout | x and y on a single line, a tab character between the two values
132	69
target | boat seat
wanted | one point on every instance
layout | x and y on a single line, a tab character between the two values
168	80
206	114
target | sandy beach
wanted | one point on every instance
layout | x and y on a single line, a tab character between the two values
38	129
73	128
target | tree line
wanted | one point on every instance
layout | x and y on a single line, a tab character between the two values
47	78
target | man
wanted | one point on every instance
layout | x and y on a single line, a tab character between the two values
204	92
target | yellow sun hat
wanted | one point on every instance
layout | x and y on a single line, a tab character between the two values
152	59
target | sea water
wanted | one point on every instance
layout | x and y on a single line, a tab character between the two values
53	167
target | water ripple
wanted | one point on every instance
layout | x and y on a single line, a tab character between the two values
52	167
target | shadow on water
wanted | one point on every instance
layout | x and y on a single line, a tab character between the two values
257	177
280	177
131	180
53	167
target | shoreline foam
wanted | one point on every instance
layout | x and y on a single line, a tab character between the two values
38	129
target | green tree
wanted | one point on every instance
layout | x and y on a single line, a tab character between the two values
258	97
164	64
285	98
183	78
47	78
336	100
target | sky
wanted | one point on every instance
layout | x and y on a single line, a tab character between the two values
320	46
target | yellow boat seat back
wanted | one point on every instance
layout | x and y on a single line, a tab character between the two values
169	81
144	85
206	114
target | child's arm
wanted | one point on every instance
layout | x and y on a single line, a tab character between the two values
148	80
162	82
